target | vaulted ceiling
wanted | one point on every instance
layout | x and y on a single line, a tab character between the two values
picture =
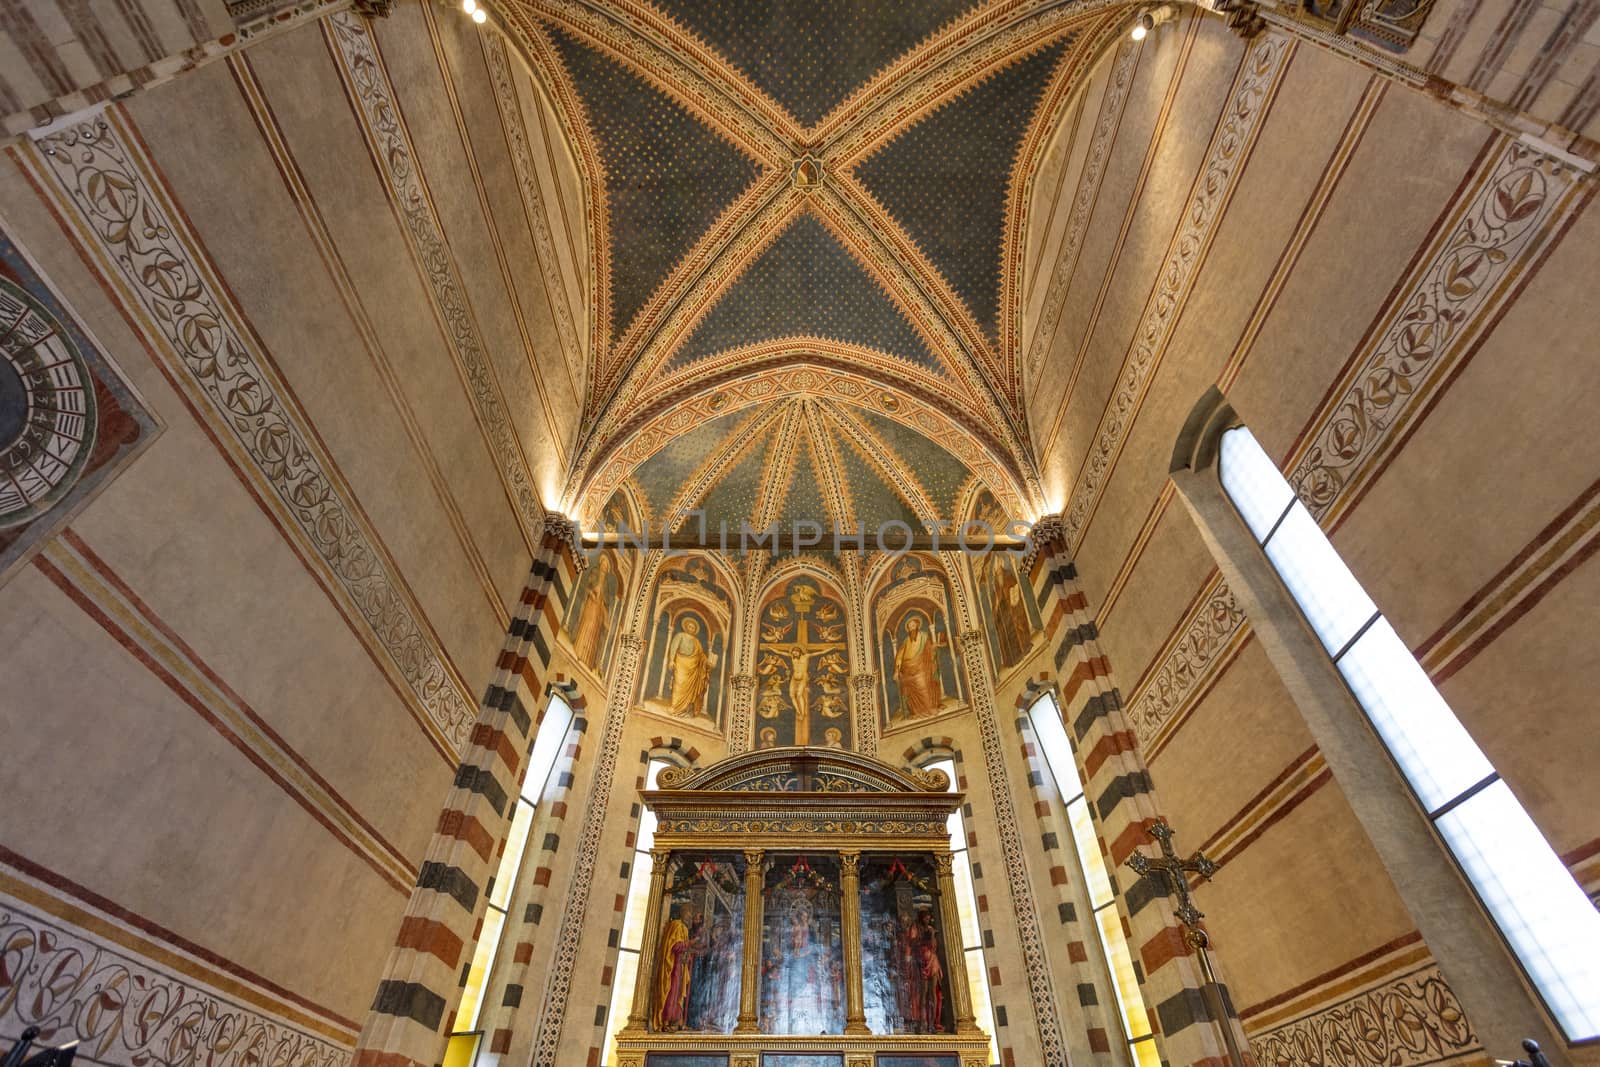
807	224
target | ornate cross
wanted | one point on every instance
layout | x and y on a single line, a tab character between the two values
1173	872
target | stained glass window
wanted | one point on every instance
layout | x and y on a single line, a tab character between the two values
1550	924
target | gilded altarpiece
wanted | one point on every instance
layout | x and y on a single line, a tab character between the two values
801	910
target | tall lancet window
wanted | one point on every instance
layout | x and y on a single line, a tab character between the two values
467	1031
626	975
1542	914
1045	716
967	905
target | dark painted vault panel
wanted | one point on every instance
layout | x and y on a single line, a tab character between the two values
945	179
805	283
668	176
811	56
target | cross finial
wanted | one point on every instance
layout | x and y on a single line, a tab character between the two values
1173	871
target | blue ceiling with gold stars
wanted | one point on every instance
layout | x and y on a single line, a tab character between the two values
811	56
773	193
805	284
668	175
946	178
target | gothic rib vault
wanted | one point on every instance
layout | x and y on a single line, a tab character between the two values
806	233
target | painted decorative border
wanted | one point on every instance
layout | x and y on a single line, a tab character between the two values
1243	117
127	1010
1408	1021
116	199
1518	208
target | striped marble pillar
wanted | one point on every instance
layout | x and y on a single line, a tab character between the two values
1124	803
421	983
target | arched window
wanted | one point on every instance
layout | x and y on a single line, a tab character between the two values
626	974
1550	925
1045	717
967	905
466	1033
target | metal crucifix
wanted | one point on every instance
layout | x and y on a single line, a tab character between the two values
1172	874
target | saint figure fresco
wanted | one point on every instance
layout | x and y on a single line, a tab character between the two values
911	609
684	672
1010	615
915	671
691	668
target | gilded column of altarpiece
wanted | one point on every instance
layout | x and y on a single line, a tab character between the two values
802	913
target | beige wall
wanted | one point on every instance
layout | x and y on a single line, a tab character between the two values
221	763
1463	520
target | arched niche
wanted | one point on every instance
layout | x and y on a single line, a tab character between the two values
1008	612
802	661
594	614
690	625
913	629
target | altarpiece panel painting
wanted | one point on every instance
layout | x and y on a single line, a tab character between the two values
802	949
701	948
802	667
903	967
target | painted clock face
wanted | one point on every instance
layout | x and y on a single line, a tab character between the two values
47	408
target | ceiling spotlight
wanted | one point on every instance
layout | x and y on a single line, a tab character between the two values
1141	28
480	15
469	6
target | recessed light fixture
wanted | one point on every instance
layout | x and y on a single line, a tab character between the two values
479	15
1141	28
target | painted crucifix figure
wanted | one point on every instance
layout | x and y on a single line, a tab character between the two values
815	640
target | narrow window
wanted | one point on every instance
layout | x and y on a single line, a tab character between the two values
626	974
466	1033
1545	918
967	905
1045	715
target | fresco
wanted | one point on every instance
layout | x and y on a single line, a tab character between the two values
911	613
802	951
686	664
595	610
700	954
903	972
802	667
68	421
1005	595
937	1059
685	1059
802	1059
